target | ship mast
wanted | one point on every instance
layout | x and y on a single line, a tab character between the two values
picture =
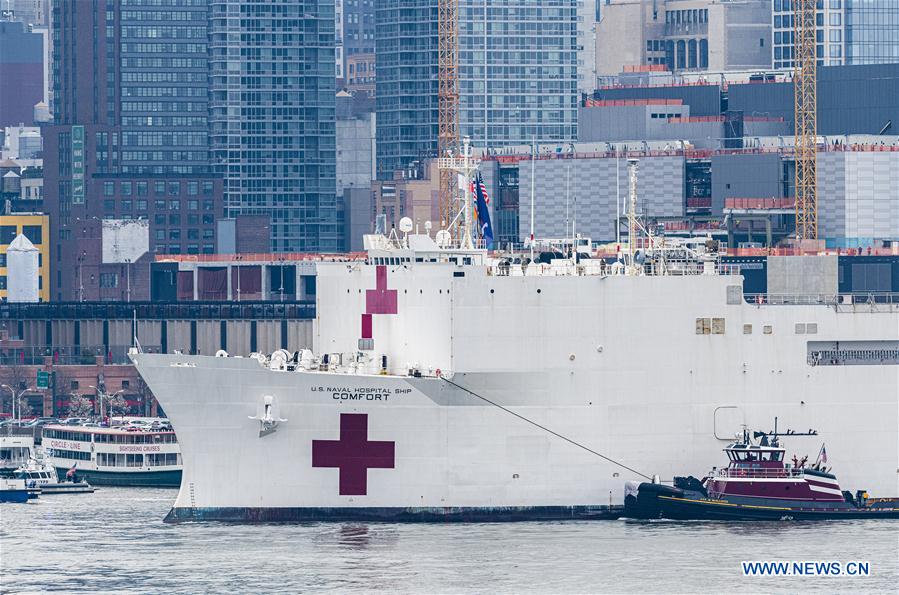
464	166
632	216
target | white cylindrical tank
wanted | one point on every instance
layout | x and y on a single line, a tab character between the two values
22	271
30	144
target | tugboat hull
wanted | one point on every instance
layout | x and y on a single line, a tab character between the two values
653	501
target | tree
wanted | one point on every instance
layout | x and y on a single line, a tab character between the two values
15	376
116	405
80	406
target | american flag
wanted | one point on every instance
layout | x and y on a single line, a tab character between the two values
822	456
474	193
71	471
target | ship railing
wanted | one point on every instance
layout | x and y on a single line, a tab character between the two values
841	302
602	267
760	473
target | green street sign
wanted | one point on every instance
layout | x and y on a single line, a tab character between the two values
43	380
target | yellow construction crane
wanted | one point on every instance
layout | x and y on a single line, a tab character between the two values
448	101
805	83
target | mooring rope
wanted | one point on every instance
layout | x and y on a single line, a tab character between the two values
545	429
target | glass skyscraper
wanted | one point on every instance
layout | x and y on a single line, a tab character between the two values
849	32
272	98
517	75
518	71
872	31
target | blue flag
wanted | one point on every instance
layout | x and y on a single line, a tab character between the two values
482	213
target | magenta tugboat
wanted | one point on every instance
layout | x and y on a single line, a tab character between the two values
757	484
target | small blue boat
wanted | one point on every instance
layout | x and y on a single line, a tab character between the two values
14	490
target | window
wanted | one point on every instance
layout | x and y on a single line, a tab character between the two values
7	234
2	260
2	281
174	188
126	384
159	205
193	205
207	188
160	234
125	205
108	188
109	280
193	188
208	205
174	219
174	234
174	205
141	188
159	187
159	219
125	188
109	205
141	204
33	233
73	385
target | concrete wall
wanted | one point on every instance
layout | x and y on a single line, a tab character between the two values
355	152
790	275
744	176
851	99
748	34
704	100
627	122
592	194
858	195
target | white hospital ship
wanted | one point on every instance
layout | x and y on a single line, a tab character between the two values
452	384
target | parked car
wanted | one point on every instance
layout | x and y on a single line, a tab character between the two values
75	421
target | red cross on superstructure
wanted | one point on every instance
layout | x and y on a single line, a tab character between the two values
354	454
379	300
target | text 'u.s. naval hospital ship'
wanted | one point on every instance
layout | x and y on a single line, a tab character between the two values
449	383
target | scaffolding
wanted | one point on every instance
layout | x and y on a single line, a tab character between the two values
805	77
448	102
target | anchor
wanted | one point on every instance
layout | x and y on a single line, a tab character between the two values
267	421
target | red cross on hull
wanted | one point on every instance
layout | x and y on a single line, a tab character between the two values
354	454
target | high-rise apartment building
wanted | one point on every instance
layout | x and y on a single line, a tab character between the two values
359	45
128	142
272	89
30	12
850	32
21	73
518	75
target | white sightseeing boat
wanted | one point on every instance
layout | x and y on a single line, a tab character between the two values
114	456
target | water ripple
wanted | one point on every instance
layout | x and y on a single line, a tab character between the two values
114	540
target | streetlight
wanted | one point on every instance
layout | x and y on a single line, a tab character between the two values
104	395
15	398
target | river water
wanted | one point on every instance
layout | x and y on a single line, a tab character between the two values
115	540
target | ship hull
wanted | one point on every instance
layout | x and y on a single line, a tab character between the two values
698	508
394	515
143	479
